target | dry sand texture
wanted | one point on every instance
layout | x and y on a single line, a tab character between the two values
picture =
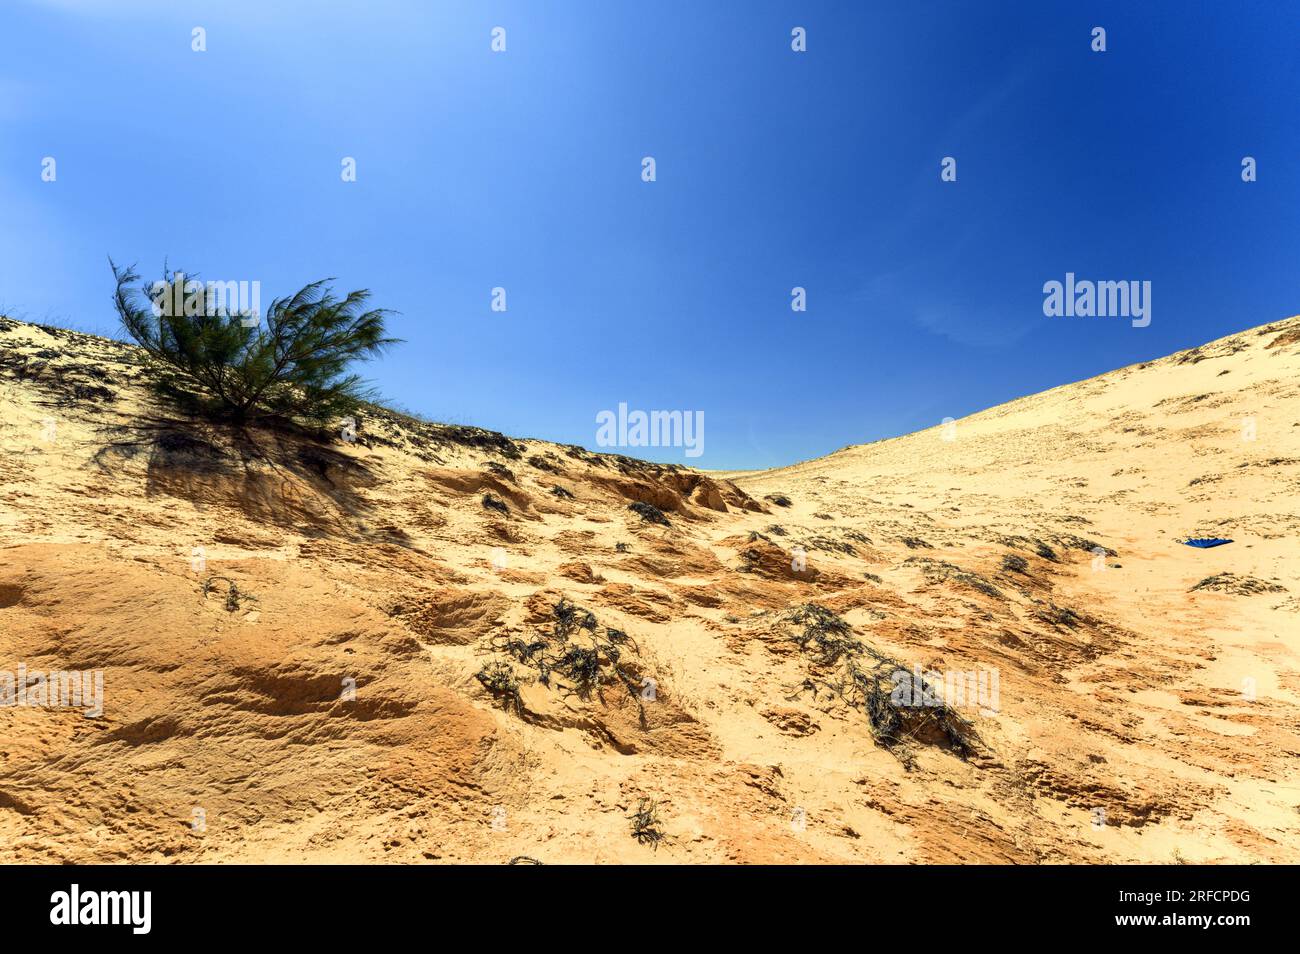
352	652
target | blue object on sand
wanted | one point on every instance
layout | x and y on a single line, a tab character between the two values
1206	542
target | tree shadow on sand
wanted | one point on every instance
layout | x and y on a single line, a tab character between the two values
281	474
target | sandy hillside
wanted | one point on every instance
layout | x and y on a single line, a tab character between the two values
441	644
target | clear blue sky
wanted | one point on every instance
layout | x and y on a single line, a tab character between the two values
775	169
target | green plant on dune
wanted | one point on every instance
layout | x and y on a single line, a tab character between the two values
291	363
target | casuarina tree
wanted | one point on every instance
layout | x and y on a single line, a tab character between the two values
291	363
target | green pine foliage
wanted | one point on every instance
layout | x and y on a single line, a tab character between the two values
290	364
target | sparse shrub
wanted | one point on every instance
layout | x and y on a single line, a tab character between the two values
477	437
526	651
750	560
622	548
292	364
939	571
1083	543
570	618
500	680
1058	616
646	824
828	636
649	513
827	545
863	679
581	664
233	594
1237	585
584	658
1014	564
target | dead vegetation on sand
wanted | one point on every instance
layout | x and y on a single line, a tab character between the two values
845	668
574	655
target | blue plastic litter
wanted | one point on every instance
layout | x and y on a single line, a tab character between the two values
1206	542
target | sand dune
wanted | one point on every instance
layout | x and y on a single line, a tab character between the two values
437	643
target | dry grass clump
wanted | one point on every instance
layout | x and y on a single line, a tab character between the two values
866	680
500	680
646	826
940	571
649	513
577	656
1237	585
234	596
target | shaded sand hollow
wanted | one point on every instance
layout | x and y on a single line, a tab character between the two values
352	651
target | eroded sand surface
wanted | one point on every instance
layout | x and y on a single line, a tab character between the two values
1125	727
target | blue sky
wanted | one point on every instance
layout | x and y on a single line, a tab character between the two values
775	169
